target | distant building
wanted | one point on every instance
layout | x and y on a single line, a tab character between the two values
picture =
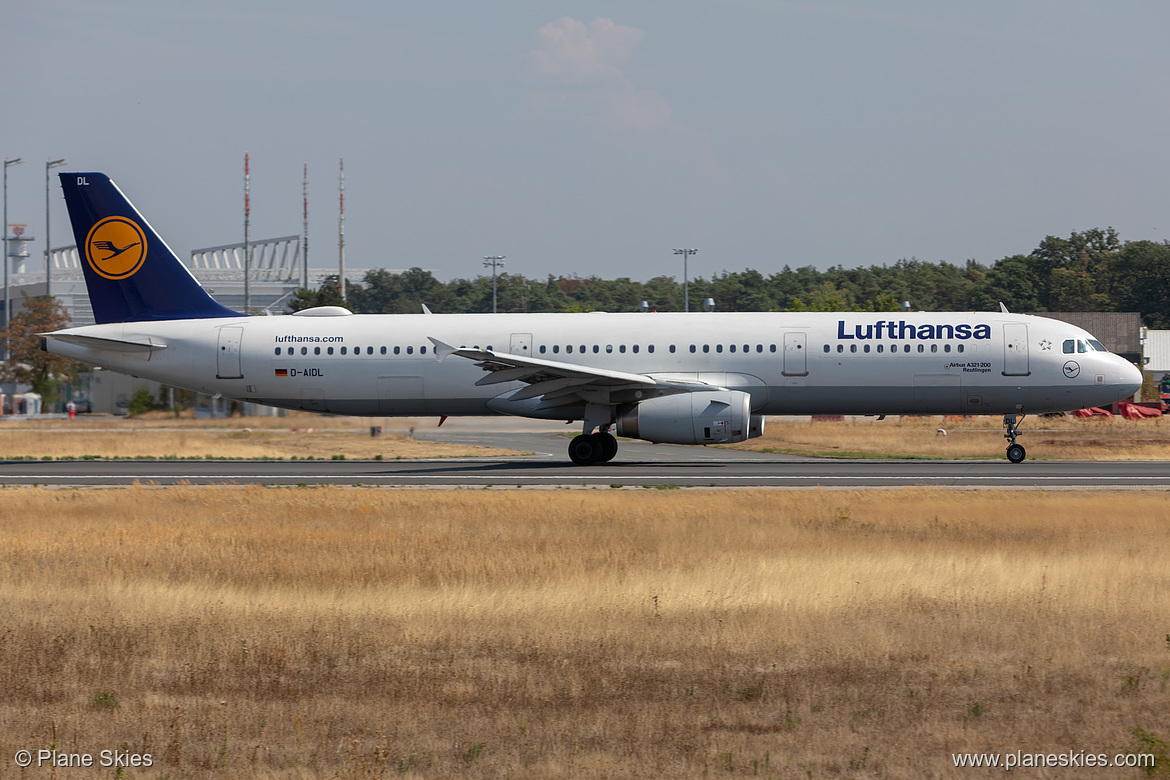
1156	352
275	276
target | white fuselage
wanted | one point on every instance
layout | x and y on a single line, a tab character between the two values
790	363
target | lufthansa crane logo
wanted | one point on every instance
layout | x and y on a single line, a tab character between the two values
115	247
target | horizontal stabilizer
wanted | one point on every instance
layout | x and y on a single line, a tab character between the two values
148	344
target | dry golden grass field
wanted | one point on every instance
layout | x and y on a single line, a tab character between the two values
342	633
159	435
967	437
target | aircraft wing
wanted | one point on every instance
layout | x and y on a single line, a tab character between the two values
557	383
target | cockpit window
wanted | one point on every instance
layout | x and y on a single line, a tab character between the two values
1069	346
1082	345
1097	345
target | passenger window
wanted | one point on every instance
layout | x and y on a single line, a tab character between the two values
410	350
608	349
1068	346
397	350
772	348
316	350
706	348
906	348
278	350
840	347
852	347
421	350
370	350
959	348
569	349
747	347
596	349
329	350
692	347
635	348
881	348
290	350
383	350
343	350
866	347
719	348
826	348
582	349
622	349
304	350
732	348
542	349
946	347
649	348
934	347
556	349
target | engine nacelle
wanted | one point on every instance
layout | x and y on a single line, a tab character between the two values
705	417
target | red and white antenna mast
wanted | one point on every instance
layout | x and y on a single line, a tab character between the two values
305	242
341	233
247	236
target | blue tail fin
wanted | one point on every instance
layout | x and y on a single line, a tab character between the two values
131	274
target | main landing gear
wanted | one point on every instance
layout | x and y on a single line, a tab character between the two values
1015	452
590	448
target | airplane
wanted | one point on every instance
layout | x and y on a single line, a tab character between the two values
680	378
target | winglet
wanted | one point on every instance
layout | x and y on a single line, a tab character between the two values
426	310
442	349
1003	308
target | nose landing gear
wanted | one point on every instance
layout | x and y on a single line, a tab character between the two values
1011	424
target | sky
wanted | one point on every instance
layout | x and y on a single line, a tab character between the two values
594	138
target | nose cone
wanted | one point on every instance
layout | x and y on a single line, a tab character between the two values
1129	379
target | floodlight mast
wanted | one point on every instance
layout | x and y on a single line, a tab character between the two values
7	308
493	261
49	165
686	253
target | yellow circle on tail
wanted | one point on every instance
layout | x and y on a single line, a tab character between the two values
115	247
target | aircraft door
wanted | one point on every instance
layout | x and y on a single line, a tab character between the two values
795	358
520	344
1015	349
228	354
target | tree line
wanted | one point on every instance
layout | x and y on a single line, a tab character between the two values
1092	270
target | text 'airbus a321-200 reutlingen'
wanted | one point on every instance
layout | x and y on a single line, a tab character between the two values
678	378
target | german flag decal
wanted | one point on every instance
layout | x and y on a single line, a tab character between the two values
282	372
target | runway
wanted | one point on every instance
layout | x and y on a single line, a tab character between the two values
637	465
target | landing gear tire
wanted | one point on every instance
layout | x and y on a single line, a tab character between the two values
585	450
608	444
1011	424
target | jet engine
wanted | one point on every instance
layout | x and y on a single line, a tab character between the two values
703	417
